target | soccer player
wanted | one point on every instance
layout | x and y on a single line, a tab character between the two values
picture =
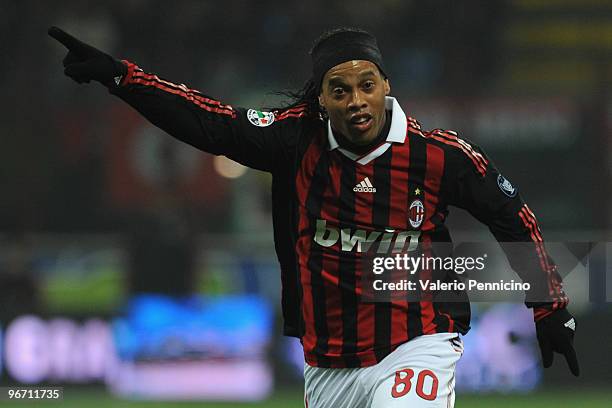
352	172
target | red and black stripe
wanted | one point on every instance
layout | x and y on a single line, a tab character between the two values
443	321
416	179
304	245
553	280
296	112
314	203
451	139
363	219
135	75
398	206
348	265
381	221
333	302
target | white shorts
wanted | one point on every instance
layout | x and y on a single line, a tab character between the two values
418	374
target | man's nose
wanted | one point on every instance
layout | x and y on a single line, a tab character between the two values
356	101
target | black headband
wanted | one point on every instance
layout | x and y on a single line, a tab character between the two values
341	47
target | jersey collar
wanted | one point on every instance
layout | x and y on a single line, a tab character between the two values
397	133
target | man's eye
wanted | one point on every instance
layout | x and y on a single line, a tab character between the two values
338	91
368	85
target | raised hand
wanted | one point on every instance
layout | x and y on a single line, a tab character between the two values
84	63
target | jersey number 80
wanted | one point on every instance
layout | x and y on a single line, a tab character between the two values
403	384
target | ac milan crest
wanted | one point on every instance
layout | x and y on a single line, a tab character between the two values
416	213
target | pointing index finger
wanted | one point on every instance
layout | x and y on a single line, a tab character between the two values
66	39
572	361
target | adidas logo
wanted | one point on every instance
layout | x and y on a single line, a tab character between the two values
364	187
571	324
118	79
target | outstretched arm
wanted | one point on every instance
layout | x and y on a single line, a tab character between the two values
260	140
488	196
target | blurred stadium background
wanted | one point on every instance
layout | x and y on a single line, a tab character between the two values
134	268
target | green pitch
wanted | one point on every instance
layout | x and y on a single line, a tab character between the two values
78	398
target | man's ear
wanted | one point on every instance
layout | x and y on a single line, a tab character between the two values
321	104
387	87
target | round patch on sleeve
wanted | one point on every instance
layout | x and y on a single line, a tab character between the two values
506	187
260	118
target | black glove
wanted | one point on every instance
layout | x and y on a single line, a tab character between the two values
84	63
556	334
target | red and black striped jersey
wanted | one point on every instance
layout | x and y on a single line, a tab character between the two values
331	206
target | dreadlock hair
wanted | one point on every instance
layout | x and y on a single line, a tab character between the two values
308	95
